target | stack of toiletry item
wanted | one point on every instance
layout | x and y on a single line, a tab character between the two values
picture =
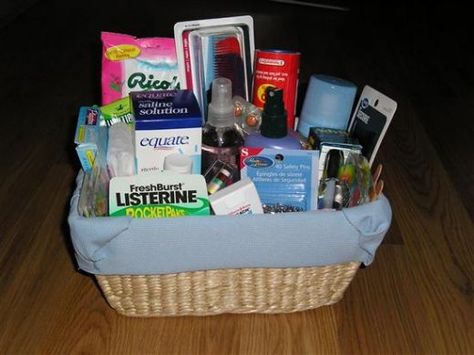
181	133
233	142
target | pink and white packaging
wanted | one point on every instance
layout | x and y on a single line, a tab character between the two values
137	64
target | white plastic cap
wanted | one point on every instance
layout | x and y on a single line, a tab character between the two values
221	108
179	163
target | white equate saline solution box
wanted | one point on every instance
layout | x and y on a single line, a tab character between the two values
166	122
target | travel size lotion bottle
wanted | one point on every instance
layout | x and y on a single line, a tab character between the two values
273	131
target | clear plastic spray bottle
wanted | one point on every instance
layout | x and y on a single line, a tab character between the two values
221	139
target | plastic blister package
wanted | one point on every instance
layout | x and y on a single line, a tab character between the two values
219	175
286	181
208	49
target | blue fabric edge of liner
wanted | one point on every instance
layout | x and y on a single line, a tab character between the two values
370	234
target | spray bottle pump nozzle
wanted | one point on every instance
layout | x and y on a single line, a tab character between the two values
221	109
274	114
274	101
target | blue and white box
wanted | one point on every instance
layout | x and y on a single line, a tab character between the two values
166	122
283	178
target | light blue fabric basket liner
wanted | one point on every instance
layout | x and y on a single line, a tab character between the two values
122	245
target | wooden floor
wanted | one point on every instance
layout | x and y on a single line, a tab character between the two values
417	296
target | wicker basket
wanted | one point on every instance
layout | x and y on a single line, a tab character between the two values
157	285
254	290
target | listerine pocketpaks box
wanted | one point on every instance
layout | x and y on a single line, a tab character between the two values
165	194
166	122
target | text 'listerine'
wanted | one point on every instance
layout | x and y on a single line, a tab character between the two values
154	194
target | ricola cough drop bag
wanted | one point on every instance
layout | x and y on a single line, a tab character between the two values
136	64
